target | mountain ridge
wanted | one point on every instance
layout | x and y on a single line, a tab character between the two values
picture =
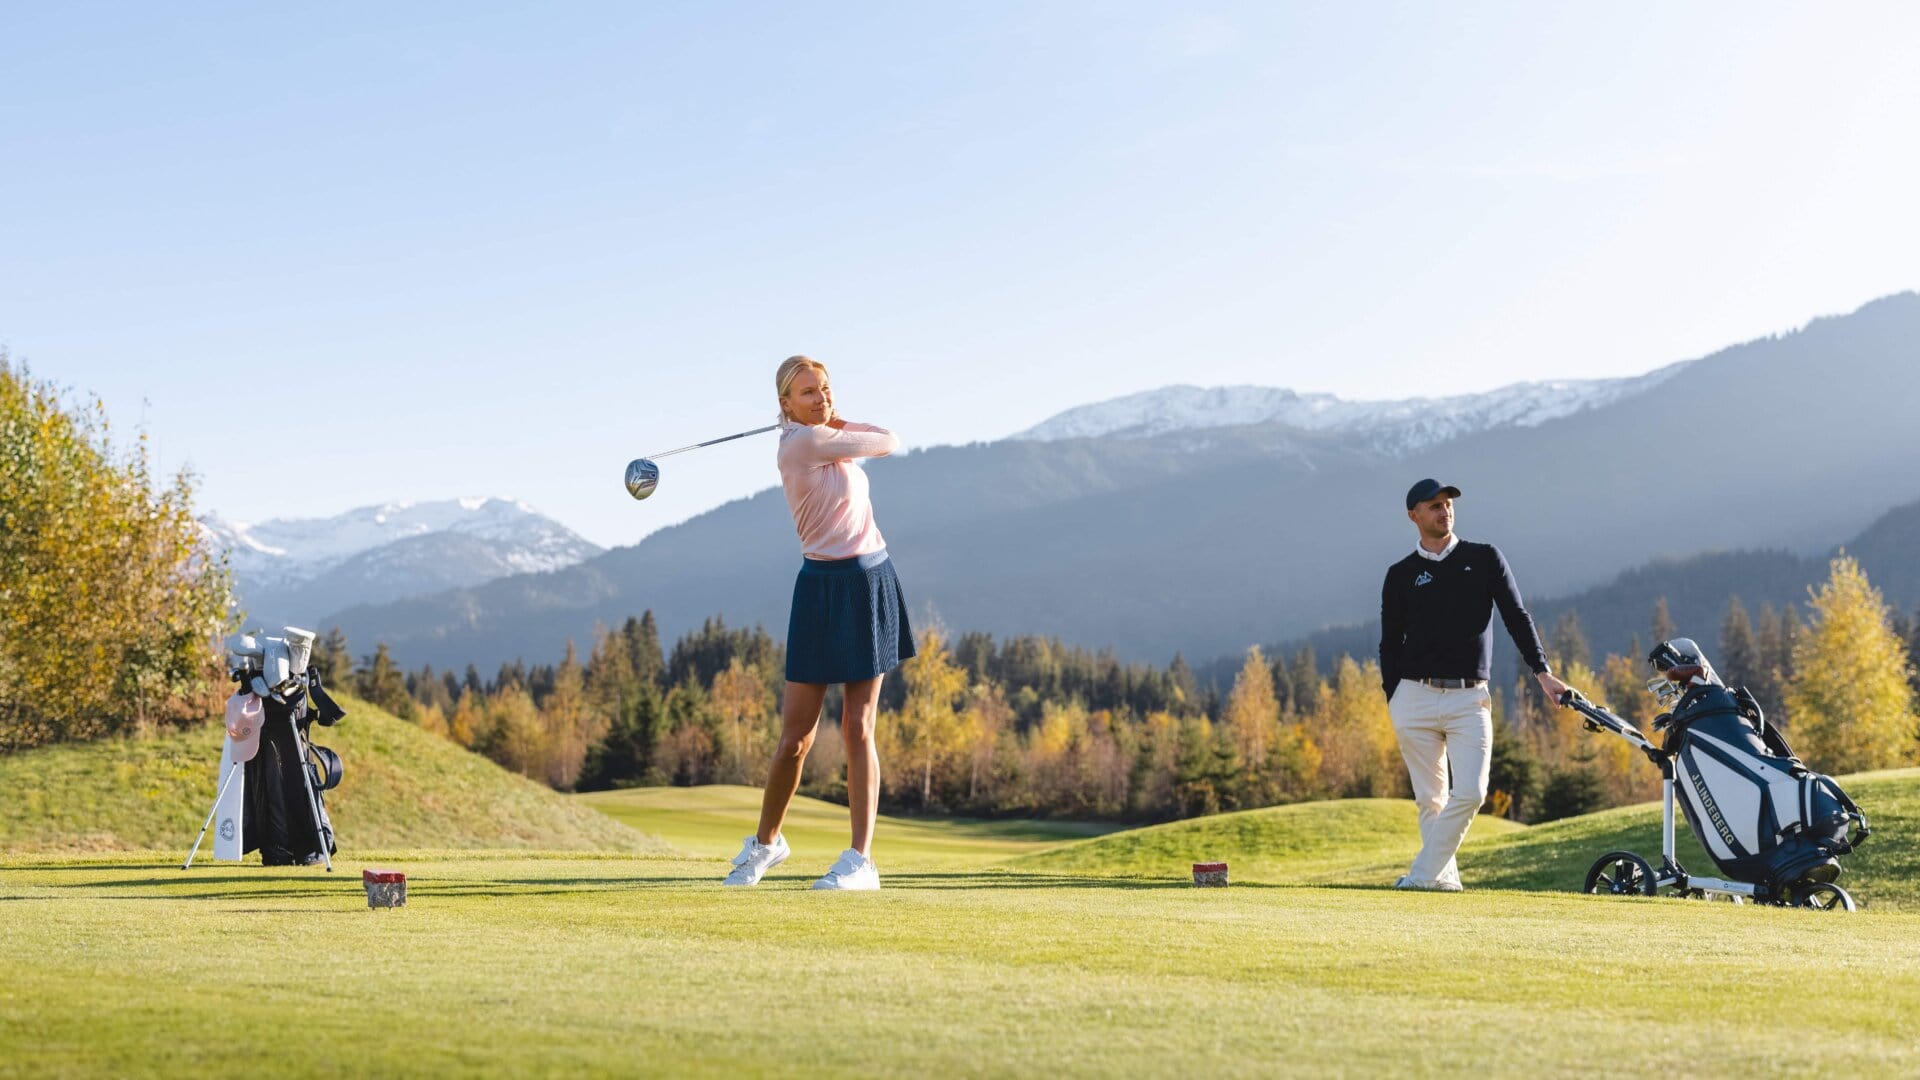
1393	425
1206	541
295	569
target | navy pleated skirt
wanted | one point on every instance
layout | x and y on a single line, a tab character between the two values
849	621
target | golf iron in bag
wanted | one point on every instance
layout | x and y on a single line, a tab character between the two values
1774	827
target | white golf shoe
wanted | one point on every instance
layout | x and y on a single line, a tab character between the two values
1408	881
853	871
755	859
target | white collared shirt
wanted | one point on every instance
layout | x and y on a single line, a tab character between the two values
1452	542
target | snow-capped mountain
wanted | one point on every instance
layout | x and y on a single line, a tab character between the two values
294	567
1395	427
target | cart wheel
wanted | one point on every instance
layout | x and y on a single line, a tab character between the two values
1820	896
1621	873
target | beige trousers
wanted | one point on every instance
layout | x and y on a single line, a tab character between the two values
1446	737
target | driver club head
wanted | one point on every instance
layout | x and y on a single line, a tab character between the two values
642	477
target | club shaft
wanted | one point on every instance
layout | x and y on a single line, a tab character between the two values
710	442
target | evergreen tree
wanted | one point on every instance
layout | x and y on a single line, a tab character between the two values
1282	676
974	652
1913	649
1570	791
624	757
1778	633
1850	695
1663	629
1306	682
1568	641
643	647
382	684
334	660
1513	777
1738	661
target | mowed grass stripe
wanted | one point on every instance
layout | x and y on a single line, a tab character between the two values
642	966
711	821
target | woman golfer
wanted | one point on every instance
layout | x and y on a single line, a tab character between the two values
849	621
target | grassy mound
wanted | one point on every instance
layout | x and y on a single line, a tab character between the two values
1369	841
710	821
1305	843
401	788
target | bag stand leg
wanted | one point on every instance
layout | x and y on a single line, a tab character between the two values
188	865
320	829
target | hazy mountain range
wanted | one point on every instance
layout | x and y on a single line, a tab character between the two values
297	570
1161	528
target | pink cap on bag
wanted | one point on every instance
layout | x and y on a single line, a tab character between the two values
245	717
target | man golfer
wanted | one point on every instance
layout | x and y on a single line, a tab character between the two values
1436	647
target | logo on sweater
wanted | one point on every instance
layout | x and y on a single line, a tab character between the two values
1423	579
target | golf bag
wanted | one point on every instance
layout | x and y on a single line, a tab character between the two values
286	825
286	780
1760	813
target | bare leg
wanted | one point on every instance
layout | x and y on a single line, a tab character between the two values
799	716
863	761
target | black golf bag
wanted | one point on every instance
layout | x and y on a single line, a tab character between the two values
1760	813
288	777
282	821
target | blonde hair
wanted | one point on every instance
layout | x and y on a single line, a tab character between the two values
790	369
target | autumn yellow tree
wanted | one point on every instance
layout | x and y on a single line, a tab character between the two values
1850	699
931	726
1359	754
744	703
570	722
111	611
1252	716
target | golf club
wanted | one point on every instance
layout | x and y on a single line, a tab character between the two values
643	475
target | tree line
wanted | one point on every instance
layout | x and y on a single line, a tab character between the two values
1030	726
112	613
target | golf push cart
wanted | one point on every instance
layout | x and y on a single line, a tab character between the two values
1770	824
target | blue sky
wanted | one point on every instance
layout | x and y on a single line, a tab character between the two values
337	256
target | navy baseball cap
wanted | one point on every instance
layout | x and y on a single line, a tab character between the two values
1429	489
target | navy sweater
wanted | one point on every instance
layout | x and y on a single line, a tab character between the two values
1436	618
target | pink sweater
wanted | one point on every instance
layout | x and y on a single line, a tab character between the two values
827	492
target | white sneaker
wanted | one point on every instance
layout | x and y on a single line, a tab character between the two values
854	871
755	859
1408	881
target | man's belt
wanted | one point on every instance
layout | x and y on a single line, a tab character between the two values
1453	684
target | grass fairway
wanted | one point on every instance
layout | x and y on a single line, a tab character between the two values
995	949
643	965
711	821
